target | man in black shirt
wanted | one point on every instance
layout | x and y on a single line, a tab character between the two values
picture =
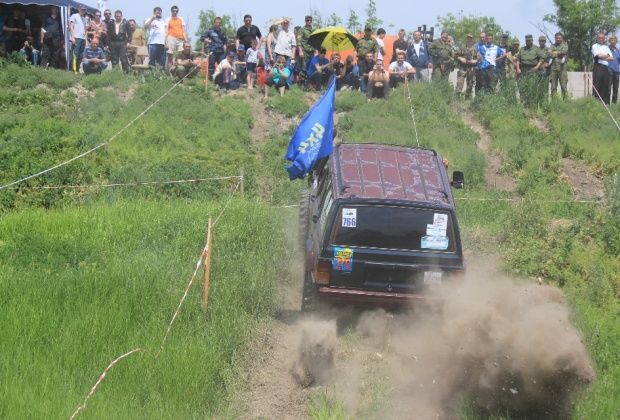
51	40
247	33
118	38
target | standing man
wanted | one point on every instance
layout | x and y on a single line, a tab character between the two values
419	58
286	43
380	43
545	69
558	55
600	73
530	60
488	55
137	39
400	45
367	44
51	40
442	56
215	40
306	51
118	38
176	33
77	35
157	38
467	58
614	67
248	32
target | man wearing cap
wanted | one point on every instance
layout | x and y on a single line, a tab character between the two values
286	43
442	55
601	77
157	38
306	51
247	32
176	33
419	58
501	64
511	60
367	44
467	59
530	60
545	69
77	35
558	55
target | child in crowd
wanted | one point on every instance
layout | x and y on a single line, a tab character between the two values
251	59
278	77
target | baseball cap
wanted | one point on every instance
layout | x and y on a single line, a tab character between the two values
515	41
231	54
528	37
241	48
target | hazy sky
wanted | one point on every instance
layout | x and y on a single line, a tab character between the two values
513	15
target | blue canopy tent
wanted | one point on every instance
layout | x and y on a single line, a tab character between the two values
66	7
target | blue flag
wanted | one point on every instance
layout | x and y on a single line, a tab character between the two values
313	138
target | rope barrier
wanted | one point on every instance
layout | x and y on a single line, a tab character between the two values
99	146
604	104
134	184
415	127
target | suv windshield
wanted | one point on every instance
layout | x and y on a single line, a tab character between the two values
389	227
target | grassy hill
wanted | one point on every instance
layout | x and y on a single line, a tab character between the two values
88	274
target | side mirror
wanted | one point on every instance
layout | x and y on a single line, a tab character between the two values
458	180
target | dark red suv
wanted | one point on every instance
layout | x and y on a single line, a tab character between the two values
378	226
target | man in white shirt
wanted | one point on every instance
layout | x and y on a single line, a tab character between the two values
400	70
286	43
600	73
77	35
156	39
381	43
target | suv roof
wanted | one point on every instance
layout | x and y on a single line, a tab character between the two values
377	171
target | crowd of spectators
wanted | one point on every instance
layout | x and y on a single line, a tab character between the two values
285	56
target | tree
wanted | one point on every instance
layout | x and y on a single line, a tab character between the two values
371	16
353	24
580	21
460	25
205	19
317	19
334	20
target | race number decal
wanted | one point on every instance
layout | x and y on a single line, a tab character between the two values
349	218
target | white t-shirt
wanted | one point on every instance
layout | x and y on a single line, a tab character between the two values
601	49
398	68
285	43
251	56
157	32
79	26
381	48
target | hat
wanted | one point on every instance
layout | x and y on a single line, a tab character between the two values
542	38
505	36
470	36
241	48
515	41
528	37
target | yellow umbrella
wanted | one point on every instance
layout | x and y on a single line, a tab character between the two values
332	38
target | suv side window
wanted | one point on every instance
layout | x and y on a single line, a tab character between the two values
324	213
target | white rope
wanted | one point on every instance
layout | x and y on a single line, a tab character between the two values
19	181
133	184
604	104
415	128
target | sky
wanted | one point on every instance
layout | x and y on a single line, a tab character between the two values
515	16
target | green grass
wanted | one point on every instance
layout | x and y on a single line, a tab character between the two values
83	285
293	104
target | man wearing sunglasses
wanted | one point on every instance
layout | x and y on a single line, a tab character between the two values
176	33
248	32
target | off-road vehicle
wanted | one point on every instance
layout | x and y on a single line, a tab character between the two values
378	226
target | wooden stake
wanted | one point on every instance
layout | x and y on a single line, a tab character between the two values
207	265
242	182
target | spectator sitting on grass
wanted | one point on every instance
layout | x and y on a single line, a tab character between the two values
400	70
278	77
351	74
365	67
378	82
30	54
316	74
224	75
94	60
184	65
336	68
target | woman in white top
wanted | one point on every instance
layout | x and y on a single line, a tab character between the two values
286	43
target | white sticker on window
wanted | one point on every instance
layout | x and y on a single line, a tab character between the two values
349	218
435	230
435	242
441	220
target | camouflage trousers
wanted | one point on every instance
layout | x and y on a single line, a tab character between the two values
441	72
559	75
462	77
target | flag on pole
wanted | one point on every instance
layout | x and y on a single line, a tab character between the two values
313	138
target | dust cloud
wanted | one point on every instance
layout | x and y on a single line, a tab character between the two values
314	357
496	345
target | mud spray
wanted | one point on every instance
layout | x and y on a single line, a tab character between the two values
498	345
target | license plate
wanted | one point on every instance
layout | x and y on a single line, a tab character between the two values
432	277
